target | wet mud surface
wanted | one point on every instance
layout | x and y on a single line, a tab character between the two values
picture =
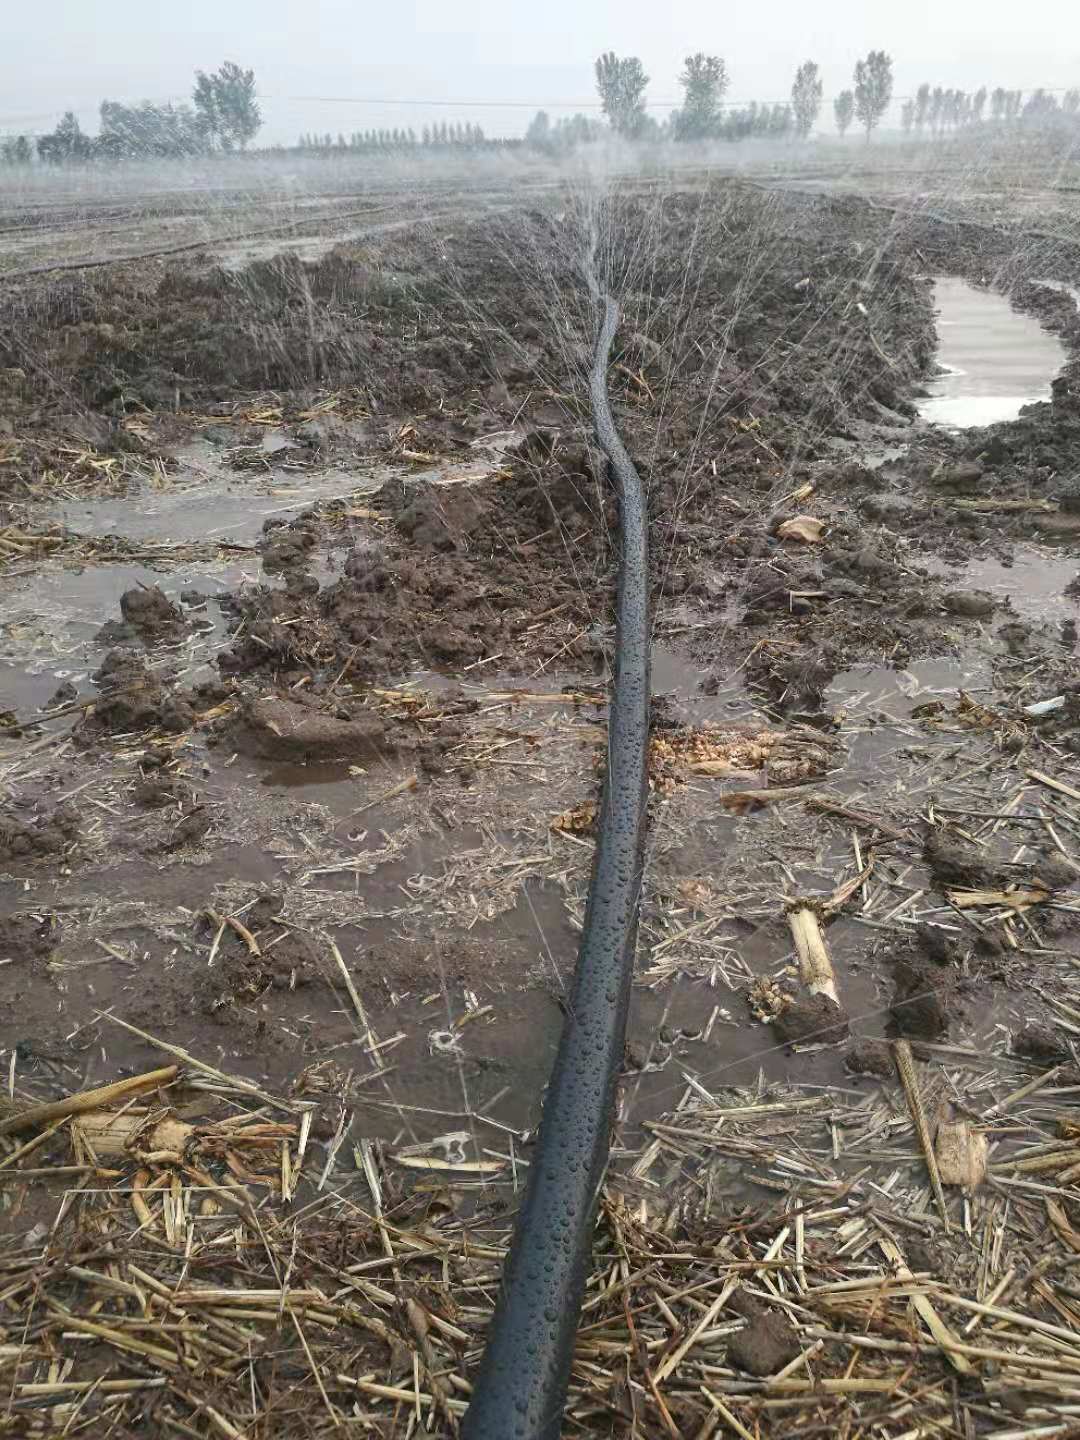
306	576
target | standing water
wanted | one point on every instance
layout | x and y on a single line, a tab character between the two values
996	360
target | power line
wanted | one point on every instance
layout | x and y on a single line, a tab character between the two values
591	104
454	104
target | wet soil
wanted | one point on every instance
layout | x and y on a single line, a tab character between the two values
307	572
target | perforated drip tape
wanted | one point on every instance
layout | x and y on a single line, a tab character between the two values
520	1391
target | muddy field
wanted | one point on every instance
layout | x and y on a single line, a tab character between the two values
306	568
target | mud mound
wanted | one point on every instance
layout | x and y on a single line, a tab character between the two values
134	698
287	546
242	975
461	590
440	519
557	487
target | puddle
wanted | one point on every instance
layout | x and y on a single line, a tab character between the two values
679	681
868	449
51	619
996	359
208	500
878	689
1034	583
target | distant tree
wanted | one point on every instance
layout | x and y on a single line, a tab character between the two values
907	116
704	79
538	135
16	150
67	144
997	105
873	89
806	92
226	104
937	109
570	131
844	110
922	107
780	122
1013	103
1040	105
978	105
147	129
621	84
1070	102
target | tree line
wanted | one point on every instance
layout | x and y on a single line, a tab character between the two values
443	136
621	83
224	115
939	111
703	114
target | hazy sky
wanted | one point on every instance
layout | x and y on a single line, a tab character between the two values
57	54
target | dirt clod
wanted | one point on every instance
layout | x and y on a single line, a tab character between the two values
272	728
955	862
1039	1042
1055	872
150	613
971	604
767	1343
813	1021
870	1057
156	793
441	519
133	698
939	944
962	477
28	937
192	830
36	835
918	1006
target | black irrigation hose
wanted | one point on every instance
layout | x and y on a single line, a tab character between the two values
521	1388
